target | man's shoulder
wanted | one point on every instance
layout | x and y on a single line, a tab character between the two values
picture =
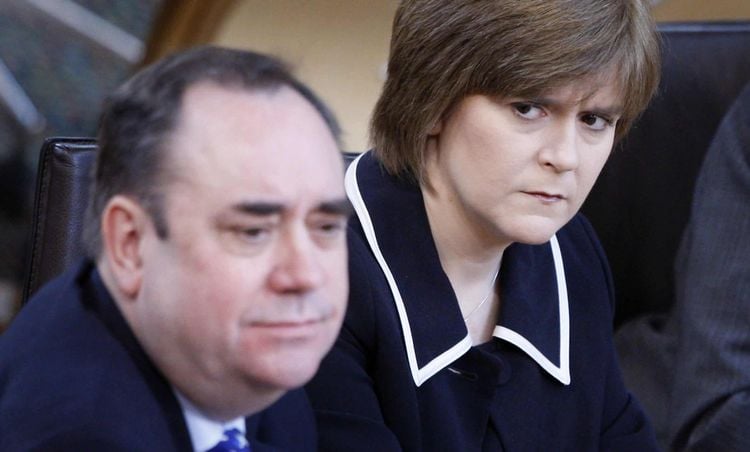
86	397
55	333
64	377
47	330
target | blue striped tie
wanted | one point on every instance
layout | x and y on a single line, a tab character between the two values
232	441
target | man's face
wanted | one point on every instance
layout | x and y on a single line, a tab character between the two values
249	288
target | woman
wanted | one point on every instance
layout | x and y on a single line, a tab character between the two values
481	302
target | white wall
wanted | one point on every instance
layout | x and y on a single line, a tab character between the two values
338	47
688	10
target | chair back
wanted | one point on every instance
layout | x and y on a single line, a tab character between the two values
62	188
640	204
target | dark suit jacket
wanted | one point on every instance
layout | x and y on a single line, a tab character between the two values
692	367
73	377
403	373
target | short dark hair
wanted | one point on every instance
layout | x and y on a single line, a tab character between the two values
139	117
445	50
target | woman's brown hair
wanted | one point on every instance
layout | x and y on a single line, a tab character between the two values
444	50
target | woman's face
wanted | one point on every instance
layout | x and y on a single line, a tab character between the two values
517	170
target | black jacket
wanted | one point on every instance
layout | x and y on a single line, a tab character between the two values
403	373
73	377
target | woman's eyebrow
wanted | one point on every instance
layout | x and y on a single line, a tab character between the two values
611	111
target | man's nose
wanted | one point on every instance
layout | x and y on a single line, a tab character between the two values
298	268
560	150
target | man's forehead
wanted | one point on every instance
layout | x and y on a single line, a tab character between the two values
217	122
243	147
205	100
207	87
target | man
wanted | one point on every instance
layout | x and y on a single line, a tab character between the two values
692	368
217	273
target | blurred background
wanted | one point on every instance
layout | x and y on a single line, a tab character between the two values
60	58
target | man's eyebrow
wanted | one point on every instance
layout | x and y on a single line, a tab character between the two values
336	207
259	208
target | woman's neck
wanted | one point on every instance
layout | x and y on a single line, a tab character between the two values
468	252
469	258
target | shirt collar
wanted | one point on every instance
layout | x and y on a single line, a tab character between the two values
205	433
534	313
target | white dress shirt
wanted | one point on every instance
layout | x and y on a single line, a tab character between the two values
205	433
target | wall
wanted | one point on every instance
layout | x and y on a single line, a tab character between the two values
688	10
338	47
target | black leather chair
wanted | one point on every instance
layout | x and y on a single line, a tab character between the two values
59	206
640	204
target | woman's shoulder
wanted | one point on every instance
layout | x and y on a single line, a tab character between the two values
370	302
586	266
579	228
363	266
579	237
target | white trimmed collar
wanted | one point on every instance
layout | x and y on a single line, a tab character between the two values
205	433
561	371
433	361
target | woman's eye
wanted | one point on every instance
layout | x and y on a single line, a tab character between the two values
596	122
528	110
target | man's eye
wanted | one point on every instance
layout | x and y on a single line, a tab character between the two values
596	122
527	110
247	240
330	228
253	234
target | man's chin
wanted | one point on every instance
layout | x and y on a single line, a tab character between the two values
297	377
289	375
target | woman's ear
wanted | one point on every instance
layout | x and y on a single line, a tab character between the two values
123	225
436	128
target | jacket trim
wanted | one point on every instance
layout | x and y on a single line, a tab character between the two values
561	373
420	375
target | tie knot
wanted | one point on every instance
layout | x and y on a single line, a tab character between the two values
232	441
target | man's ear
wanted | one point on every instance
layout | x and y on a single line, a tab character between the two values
123	225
